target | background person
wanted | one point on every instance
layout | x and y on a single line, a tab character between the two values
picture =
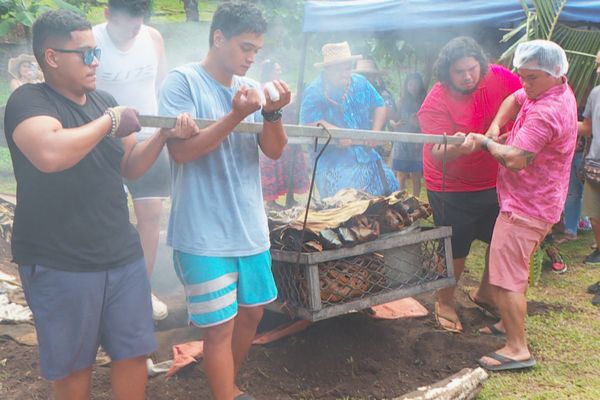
24	69
339	98
407	158
133	68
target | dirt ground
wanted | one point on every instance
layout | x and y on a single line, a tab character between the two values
348	356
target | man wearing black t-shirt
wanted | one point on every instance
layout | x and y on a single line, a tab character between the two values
80	260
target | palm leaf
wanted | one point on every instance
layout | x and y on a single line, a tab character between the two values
580	45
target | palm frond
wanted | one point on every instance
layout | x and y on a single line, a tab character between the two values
581	45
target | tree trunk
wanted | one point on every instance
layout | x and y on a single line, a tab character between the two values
191	10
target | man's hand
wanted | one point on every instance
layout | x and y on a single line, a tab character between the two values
245	102
473	142
285	96
185	127
125	120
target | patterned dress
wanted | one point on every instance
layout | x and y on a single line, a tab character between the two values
352	166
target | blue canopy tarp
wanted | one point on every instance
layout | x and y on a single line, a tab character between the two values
385	15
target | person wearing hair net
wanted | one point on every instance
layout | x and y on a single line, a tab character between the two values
533	179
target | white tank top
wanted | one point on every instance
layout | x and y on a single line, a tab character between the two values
129	76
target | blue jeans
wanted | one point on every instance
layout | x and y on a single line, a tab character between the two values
573	203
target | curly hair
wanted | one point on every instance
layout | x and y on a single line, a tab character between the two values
453	51
55	25
236	18
132	8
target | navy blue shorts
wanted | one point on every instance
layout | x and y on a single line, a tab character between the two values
75	312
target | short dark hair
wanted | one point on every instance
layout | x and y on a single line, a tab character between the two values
55	25
133	8
454	50
236	18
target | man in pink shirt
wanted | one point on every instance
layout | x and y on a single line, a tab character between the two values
462	191
532	185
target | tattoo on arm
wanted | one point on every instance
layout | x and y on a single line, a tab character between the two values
508	156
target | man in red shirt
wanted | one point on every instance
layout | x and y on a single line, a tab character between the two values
462	190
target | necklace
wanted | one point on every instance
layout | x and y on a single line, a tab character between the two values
339	104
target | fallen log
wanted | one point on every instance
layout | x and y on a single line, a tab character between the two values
464	385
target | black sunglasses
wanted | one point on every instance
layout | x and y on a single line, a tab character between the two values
87	54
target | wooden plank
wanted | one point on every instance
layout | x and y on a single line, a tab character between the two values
384	242
314	288
373	300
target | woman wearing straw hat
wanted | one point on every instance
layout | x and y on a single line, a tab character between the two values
339	98
23	69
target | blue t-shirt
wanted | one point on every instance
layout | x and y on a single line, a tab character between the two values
217	207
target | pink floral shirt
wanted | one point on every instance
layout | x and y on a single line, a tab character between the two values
546	126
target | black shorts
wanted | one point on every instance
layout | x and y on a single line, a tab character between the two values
155	183
471	215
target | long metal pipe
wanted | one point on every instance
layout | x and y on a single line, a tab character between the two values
312	132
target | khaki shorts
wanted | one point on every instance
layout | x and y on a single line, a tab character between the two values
515	240
591	200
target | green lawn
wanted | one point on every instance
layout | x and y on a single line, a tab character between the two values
565	340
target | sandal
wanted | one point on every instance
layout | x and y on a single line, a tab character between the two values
506	364
446	323
485	308
493	331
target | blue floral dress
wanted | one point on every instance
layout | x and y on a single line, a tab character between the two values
352	166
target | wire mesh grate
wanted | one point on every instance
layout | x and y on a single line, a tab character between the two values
346	279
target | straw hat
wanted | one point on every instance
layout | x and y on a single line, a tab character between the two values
367	67
336	53
14	63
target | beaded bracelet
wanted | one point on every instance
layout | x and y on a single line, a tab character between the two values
113	118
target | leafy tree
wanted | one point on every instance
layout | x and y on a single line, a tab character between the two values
17	16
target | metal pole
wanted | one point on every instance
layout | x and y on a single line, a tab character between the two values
308	133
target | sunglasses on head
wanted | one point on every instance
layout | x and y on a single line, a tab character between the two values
87	54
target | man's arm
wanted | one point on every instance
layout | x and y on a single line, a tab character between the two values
584	128
508	111
139	156
273	138
52	148
245	102
508	156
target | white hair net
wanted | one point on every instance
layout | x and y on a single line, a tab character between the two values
542	55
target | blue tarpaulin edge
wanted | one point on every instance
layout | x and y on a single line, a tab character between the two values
386	15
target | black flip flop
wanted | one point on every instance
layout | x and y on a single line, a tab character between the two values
594	289
494	331
485	308
506	364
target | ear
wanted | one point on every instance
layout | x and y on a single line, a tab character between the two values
218	38
50	58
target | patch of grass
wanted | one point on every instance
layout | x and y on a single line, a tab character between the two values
565	339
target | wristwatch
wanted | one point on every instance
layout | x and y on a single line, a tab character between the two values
272	116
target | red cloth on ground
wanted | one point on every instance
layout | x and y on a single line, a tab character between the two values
447	111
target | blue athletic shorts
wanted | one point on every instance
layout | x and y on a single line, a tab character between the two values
216	286
75	312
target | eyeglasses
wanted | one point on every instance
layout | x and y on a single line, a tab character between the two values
87	54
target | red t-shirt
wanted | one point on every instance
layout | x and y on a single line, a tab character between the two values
446	110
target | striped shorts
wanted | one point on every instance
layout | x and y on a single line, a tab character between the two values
216	286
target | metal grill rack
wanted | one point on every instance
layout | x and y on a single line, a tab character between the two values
326	284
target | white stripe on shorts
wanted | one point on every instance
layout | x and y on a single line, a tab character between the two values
211	286
217	304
